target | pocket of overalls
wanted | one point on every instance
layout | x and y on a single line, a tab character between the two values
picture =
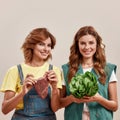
36	105
33	104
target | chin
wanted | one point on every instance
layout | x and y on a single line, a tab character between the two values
45	58
87	57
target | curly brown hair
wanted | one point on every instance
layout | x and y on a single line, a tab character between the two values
34	37
99	58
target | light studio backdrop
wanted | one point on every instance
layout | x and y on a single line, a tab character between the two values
62	18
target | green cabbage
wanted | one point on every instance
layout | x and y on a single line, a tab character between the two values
83	85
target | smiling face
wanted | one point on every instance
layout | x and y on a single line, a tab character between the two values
37	45
42	50
87	46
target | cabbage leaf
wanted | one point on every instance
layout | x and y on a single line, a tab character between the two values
83	85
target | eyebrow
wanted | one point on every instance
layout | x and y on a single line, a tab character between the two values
44	42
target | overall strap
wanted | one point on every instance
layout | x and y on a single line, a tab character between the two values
20	73
50	67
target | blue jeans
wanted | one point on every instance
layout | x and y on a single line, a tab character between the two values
35	108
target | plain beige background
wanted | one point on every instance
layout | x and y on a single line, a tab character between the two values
63	18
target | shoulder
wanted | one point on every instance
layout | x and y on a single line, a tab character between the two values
13	69
65	66
110	66
55	67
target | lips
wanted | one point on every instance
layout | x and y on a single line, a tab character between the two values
44	54
87	53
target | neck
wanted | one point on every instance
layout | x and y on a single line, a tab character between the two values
36	63
87	64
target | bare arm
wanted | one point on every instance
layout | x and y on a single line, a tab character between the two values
112	102
55	99
55	95
67	100
58	102
11	100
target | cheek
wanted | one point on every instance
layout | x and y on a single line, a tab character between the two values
49	49
94	50
81	47
94	47
37	47
81	50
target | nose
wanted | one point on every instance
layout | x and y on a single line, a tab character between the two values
87	46
46	47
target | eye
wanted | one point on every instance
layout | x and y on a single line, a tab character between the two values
49	45
82	43
41	44
91	42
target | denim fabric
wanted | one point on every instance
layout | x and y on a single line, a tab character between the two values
35	108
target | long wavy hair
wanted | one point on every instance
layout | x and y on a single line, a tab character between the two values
99	58
34	37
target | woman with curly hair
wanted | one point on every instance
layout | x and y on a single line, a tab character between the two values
87	53
20	81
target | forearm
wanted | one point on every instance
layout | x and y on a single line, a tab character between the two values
65	101
10	104
55	99
109	104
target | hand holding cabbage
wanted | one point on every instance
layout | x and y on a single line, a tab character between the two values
83	85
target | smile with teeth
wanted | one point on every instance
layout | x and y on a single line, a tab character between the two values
44	53
87	52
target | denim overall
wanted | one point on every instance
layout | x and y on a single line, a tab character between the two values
35	108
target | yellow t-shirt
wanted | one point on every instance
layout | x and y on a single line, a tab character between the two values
12	81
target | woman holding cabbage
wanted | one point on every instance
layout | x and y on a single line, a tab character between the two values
87	53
